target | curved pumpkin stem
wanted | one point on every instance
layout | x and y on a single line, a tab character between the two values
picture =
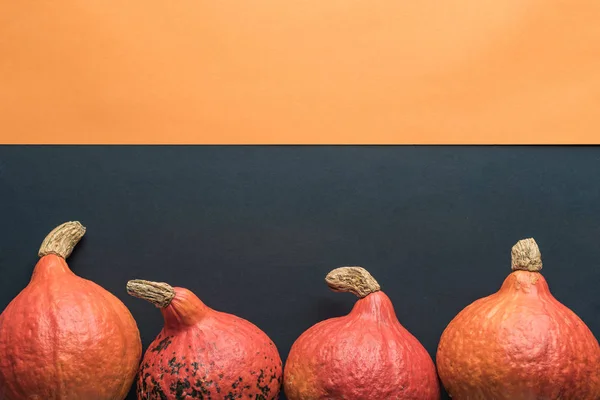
356	280
62	239
526	256
158	293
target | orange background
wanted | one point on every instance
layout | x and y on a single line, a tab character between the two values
299	71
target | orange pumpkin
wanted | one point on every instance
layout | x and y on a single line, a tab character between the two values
64	337
520	343
202	353
364	355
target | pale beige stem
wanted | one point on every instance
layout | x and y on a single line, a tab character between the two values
62	240
158	293
526	256
355	280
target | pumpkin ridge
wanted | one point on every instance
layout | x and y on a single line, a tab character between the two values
132	349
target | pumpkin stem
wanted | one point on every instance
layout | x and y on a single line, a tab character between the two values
158	293
62	240
526	256
355	280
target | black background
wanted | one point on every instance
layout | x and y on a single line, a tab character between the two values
253	230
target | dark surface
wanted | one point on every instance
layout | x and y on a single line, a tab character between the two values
254	230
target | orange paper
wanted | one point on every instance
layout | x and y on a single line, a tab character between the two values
291	71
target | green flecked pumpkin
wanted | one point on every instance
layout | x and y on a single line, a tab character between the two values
202	353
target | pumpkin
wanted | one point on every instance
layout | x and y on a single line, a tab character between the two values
64	337
202	353
520	343
364	355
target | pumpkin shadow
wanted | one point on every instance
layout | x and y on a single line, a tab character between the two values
78	252
330	308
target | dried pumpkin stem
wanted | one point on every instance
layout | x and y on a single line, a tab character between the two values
62	240
355	280
158	293
526	256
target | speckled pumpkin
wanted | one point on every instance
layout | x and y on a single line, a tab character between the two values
64	337
520	343
202	353
365	355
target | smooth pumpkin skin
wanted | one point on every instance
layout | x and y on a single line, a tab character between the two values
66	338
206	354
519	344
365	355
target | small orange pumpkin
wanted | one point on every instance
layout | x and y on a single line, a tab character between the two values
64	337
364	355
520	343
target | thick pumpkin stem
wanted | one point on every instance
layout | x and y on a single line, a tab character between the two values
355	280
158	293
526	256
62	240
